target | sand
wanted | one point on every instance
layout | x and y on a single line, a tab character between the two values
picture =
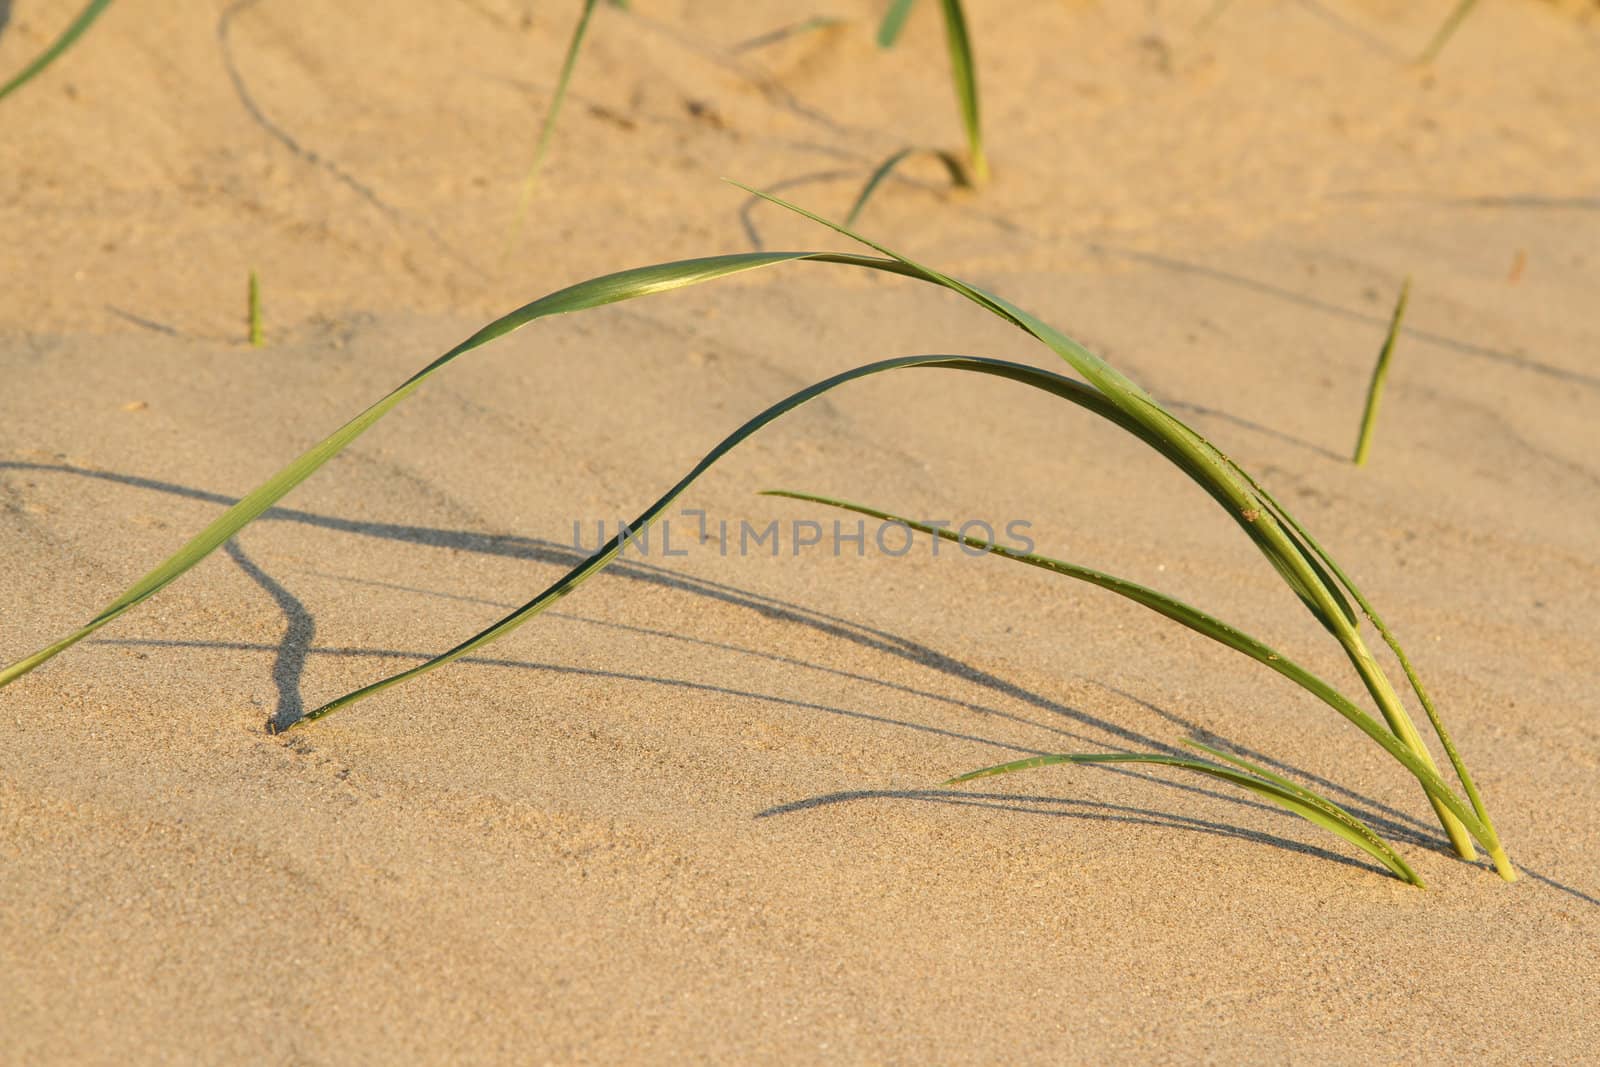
692	814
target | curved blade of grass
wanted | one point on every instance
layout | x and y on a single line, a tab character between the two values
84	20
964	73
894	20
1369	416
952	165
882	171
1303	802
1229	485
603	556
1202	623
548	128
625	285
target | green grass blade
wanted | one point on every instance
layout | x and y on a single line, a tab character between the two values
253	311
1492	843
1447	30
1229	485
1203	623
1303	802
84	20
1380	371
882	171
625	285
894	20
548	128
601	558
964	74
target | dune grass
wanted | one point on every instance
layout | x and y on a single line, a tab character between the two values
68	38
1380	372
1300	561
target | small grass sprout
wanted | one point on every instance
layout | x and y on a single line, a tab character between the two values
1446	30
1305	567
253	311
1380	371
69	36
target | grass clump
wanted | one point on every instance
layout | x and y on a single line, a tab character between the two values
1305	567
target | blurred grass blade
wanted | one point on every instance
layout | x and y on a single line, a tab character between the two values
882	171
84	20
894	20
1446	30
548	128
964	73
253	311
1303	802
1380	371
1202	623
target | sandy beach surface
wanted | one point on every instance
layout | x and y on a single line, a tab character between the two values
693	814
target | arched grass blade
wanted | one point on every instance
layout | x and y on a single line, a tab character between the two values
1229	485
1209	626
894	20
1303	802
75	30
879	173
1380	371
625	285
602	557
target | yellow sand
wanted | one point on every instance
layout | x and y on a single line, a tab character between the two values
690	815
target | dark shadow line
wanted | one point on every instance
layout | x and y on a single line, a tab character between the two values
1256	427
148	324
523	548
5	15
1515	200
564	669
1101	812
309	155
300	629
1350	29
1281	293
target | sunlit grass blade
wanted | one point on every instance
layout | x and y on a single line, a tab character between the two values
1380	371
964	74
75	30
1446	30
1502	863
1303	802
1131	407
894	20
1199	621
625	285
547	128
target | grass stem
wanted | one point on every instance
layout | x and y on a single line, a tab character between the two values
1380	371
